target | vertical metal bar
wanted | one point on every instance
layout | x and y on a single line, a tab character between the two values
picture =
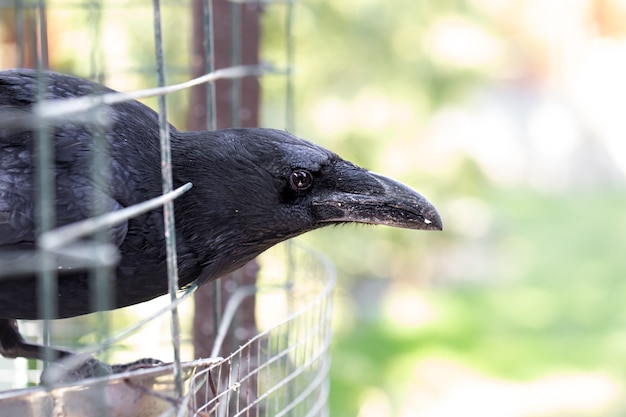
235	59
95	56
289	57
42	52
46	278
168	208
46	213
289	105
290	125
101	291
19	32
212	125
209	57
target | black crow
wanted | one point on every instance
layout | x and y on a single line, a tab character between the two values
252	188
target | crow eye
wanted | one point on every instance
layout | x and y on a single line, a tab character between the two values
300	180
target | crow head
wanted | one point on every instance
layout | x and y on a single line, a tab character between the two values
252	188
258	187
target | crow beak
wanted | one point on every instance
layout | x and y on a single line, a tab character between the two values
365	197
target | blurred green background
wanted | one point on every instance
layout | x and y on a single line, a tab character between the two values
508	116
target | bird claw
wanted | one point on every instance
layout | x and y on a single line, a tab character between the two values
58	372
138	364
92	368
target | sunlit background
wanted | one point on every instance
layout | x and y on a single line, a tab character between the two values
510	115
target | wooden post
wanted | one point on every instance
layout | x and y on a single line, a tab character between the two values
246	41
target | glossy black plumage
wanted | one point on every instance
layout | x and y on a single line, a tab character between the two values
252	188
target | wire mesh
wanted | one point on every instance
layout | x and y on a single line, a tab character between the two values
280	371
284	369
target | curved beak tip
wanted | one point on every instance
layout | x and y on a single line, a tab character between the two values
433	222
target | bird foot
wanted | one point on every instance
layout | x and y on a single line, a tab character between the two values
138	364
57	372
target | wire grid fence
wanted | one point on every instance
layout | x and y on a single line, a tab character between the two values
284	369
281	371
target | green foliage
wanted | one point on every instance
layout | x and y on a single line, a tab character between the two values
353	52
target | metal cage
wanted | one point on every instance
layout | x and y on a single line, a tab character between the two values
281	370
